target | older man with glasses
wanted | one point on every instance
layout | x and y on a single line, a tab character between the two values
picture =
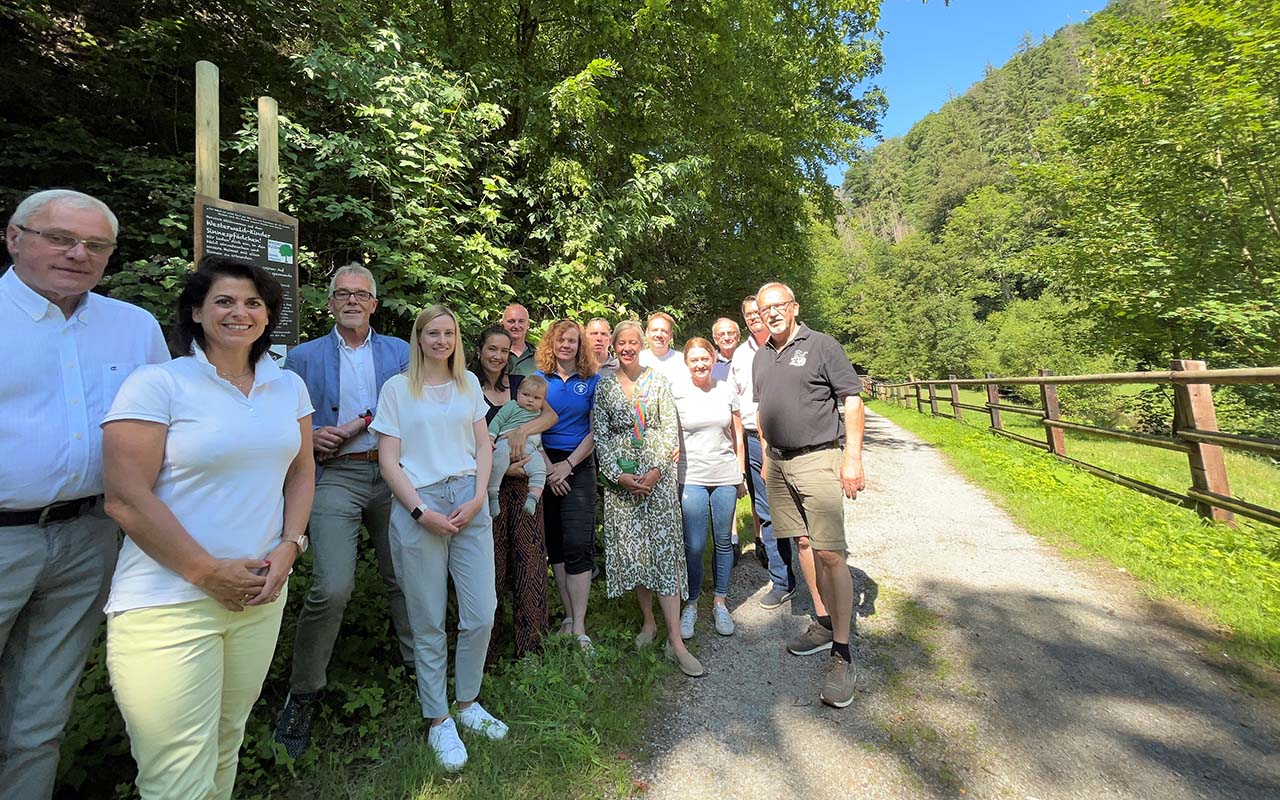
810	419
726	334
344	372
65	353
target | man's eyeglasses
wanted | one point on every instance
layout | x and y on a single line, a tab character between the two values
342	295
63	241
779	307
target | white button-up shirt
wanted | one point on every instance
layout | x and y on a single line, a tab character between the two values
58	377
740	381
357	391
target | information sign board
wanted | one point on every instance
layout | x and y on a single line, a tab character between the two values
260	236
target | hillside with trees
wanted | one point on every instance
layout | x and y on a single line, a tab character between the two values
1105	200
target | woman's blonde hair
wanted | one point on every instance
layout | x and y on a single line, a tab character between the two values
457	362
629	325
545	357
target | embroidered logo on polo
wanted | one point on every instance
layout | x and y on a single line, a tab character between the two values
580	387
799	358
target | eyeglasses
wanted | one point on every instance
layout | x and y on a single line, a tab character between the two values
342	295
63	241
779	307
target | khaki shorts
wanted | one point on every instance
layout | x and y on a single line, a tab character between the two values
807	499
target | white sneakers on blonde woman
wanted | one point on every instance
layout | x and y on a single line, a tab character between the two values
449	749
475	719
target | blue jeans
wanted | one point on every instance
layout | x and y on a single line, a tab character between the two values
778	552
702	505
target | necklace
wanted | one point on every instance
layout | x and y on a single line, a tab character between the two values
238	381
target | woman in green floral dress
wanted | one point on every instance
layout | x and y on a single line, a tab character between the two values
634	425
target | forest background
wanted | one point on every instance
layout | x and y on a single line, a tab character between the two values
1106	200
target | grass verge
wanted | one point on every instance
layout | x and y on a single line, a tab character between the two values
576	721
1234	573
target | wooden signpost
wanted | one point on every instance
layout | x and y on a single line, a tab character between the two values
260	234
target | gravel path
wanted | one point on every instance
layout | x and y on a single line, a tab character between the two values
994	668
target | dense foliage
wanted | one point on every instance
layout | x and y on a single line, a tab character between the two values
582	157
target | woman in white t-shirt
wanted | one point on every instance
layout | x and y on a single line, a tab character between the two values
429	421
711	480
208	469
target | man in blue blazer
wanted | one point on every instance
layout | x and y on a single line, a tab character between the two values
344	372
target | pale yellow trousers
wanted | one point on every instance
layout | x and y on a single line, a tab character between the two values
185	677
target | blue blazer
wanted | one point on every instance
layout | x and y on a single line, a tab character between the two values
317	362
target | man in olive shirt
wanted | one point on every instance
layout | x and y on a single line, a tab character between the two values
515	318
811	419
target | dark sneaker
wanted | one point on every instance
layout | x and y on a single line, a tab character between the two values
294	728
776	597
815	639
837	688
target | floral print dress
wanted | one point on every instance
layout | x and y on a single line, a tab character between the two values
643	537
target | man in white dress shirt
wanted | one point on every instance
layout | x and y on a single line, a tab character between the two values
774	553
65	352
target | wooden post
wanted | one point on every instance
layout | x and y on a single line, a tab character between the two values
208	132
268	153
993	397
955	398
933	399
919	400
1055	437
1193	409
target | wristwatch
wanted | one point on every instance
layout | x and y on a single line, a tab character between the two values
417	512
302	541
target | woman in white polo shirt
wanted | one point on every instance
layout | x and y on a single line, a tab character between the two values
711	469
208	469
428	424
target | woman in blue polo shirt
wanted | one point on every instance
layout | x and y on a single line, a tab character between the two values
570	506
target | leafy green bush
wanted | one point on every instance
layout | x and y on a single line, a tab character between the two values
1049	333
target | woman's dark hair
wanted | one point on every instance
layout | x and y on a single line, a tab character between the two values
474	366
197	288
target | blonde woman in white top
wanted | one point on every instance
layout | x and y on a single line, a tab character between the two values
429	422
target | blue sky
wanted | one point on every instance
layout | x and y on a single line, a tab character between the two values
933	51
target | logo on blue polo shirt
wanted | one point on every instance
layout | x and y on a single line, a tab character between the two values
580	387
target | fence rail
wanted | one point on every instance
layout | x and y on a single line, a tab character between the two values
1195	426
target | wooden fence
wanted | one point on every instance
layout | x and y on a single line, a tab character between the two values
1195	426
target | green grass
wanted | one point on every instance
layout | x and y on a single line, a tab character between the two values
1233	573
576	723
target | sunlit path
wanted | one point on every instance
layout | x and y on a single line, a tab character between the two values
995	668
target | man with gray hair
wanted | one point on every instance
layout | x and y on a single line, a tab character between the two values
65	353
726	334
810	419
344	372
600	337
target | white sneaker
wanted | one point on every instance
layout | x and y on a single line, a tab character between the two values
444	742
475	719
724	622
688	618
